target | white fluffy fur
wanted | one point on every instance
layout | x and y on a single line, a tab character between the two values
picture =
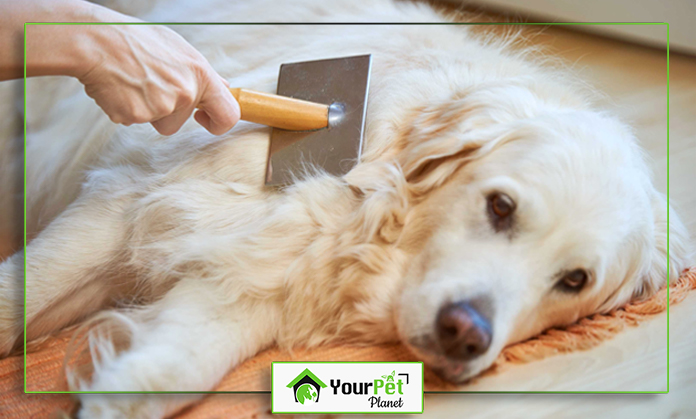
206	266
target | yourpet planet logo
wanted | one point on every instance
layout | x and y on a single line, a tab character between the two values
382	392
306	387
346	387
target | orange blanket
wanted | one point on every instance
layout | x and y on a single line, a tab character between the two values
44	365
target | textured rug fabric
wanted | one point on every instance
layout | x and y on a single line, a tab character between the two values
45	363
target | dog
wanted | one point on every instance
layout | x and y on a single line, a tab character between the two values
493	200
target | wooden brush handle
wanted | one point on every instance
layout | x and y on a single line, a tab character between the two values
281	111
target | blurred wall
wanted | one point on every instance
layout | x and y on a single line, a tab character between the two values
680	14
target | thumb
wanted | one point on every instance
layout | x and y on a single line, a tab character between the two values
218	111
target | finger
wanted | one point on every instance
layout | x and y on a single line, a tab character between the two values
170	124
202	118
220	108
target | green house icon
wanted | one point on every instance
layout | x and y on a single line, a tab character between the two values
306	387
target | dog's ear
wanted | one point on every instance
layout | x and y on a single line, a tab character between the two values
430	146
664	258
659	259
442	137
428	149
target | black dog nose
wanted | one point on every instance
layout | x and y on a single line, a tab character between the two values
462	331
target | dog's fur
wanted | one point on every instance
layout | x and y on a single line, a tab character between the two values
182	250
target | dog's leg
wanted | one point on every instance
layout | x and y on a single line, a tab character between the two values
68	258
186	341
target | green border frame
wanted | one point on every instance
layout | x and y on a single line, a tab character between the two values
350	362
330	23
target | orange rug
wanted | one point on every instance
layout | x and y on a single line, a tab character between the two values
44	365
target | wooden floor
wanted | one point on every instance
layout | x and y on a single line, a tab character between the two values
635	82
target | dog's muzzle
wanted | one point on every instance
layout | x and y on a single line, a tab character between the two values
462	331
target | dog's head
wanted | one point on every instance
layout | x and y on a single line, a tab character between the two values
521	215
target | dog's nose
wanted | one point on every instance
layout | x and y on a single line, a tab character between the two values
463	332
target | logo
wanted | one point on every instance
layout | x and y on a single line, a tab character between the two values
306	387
347	387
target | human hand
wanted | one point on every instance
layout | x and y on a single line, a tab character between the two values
135	73
149	73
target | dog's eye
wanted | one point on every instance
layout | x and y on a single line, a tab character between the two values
573	281
500	208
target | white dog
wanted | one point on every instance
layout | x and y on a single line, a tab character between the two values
492	201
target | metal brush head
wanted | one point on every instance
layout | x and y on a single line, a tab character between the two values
341	83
